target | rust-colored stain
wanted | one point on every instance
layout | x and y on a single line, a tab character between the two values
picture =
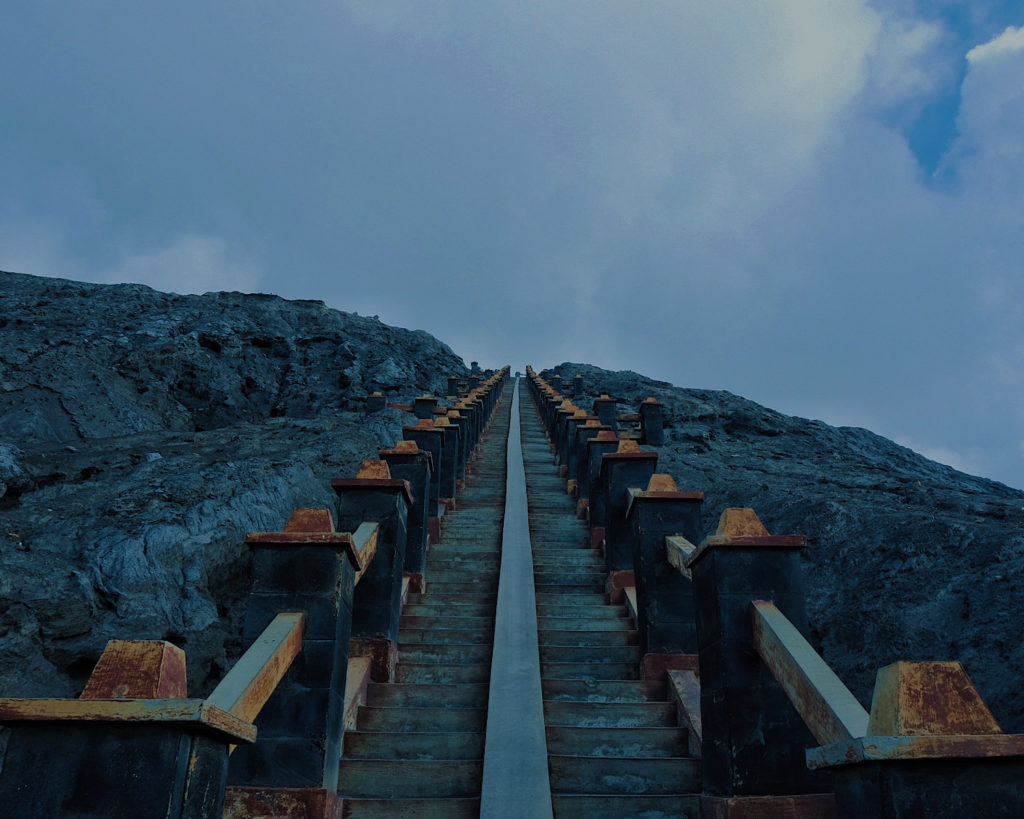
618	581
383	654
425	423
251	681
454	413
604	397
426	397
138	669
662	482
626	445
803	806
281	803
928	699
199	713
310	520
653	400
377	394
592	422
605	435
656	666
580	413
740	522
442	421
372	468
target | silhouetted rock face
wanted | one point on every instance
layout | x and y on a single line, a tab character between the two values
143	434
907	559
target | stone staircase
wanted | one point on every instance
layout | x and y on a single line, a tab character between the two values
615	748
418	747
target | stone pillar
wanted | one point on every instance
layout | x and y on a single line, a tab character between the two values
474	368
410	463
424	407
665	618
628	466
98	757
652	422
376	402
308	568
556	382
600	445
753	739
453	385
430	439
449	460
933	749
474	381
457	419
604	409
374	496
577	386
578	467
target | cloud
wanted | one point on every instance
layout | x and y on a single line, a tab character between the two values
189	263
1009	42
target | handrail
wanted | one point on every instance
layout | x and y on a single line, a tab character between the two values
824	703
250	682
364	539
678	551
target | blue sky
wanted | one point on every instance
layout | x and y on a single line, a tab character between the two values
815	205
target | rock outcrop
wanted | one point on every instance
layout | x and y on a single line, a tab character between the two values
907	559
143	434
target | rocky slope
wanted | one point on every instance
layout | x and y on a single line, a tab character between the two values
143	434
907	559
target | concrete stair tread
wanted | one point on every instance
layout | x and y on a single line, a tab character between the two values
410	672
437	695
589	654
420	745
451	621
630	775
448	636
581	623
646	741
584	714
418	719
605	690
587	637
418	808
610	806
588	671
408	778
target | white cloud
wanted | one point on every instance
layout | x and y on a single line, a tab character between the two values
190	263
1010	41
972	462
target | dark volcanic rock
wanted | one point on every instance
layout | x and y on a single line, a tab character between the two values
907	559
143	434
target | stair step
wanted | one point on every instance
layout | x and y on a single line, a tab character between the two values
607	775
570	589
439	673
438	695
547	598
417	808
651	741
588	637
414	745
446	653
602	611
438	608
472	582
433	720
569	577
405	778
473	592
589	671
610	714
419	636
606	690
578	624
412	808
605	806
590	654
409	621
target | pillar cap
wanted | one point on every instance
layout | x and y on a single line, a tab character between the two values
739	527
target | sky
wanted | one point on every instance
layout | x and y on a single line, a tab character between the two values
816	205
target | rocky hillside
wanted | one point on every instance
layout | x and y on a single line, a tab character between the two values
907	559
143	434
